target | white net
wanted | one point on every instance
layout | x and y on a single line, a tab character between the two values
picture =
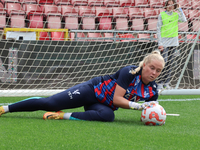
50	45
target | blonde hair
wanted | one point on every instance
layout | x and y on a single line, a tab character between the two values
153	55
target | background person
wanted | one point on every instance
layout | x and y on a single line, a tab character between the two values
102	95
167	33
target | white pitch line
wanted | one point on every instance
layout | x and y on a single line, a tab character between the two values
173	114
193	99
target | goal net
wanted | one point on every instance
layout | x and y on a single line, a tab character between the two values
49	46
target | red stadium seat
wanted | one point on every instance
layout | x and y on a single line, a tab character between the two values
194	14
156	3
195	4
2	16
195	25
181	38
108	35
62	2
111	3
141	3
70	15
34	15
183	26
136	15
129	3
191	38
17	15
151	16
79	35
144	37
9	1
44	36
126	35
104	16
95	36
57	36
45	2
79	2
95	2
53	16
187	4
87	14
28	1
120	18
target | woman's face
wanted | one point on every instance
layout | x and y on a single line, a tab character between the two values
170	6
151	70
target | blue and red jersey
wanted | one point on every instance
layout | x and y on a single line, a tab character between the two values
136	90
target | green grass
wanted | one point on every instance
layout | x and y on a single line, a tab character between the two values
27	130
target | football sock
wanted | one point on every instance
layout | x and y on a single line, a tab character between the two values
67	116
6	109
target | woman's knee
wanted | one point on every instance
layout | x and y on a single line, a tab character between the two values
107	115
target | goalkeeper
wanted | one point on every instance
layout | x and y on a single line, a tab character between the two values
101	96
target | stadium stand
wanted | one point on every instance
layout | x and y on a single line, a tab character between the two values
62	2
92	3
126	35
34	15
87	15
151	16
156	3
111	3
195	4
2	16
141	3
137	17
95	36
16	14
108	35
121	18
104	15
79	2
79	35
70	15
143	37
185	4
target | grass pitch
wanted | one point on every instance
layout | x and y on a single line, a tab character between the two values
27	130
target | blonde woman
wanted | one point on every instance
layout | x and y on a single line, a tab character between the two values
101	96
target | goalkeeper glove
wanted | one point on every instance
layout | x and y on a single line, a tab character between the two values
136	106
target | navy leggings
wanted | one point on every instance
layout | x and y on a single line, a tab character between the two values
77	96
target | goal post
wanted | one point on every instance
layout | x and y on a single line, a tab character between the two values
42	61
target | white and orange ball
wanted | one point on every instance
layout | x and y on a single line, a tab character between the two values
153	115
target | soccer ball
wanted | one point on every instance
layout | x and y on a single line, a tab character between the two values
153	115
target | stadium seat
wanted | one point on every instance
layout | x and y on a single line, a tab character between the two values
44	36
120	17
53	16
181	38
9	1
16	14
144	37
195	4
95	36
104	16
87	15
28	1
155	37
194	14
62	2
57	36
151	16
45	2
34	15
183	26
141	3
108	35
136	12
125	3
70	15
79	35
79	2
192	37
126	35
185	4
111	3
137	17
95	3
195	25
2	16
156	3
